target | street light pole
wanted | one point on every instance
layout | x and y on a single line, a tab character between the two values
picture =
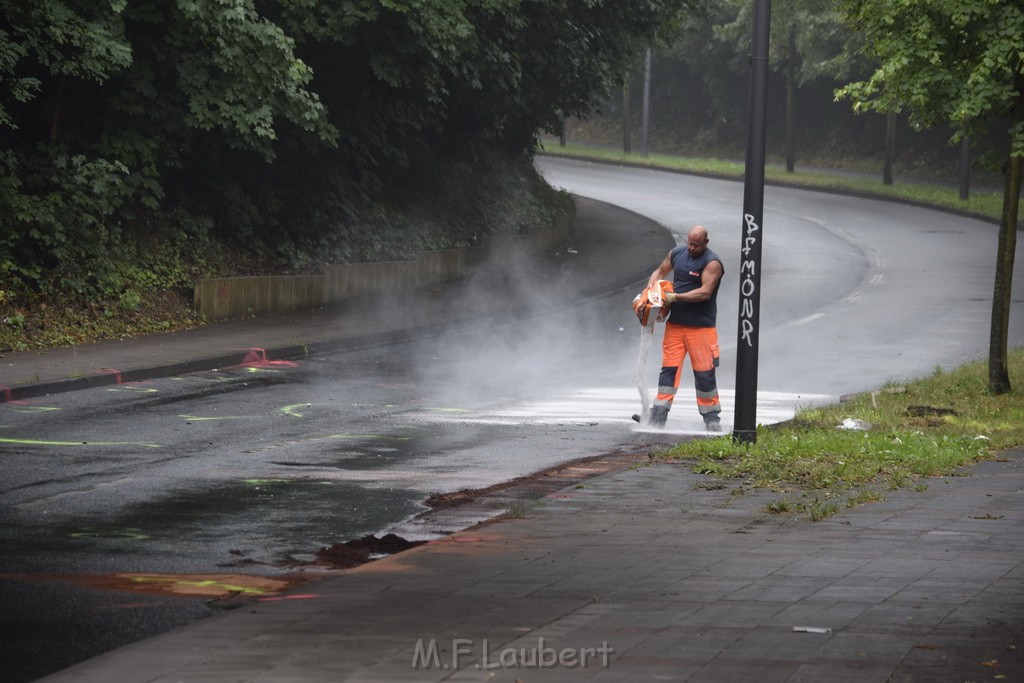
752	234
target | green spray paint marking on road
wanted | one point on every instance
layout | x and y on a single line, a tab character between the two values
128	533
144	390
450	410
34	442
196	418
36	409
293	409
252	369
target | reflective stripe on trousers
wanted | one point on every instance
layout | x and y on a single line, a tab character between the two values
701	344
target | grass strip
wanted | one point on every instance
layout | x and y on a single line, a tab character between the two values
905	433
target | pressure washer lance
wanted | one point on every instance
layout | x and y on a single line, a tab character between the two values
651	306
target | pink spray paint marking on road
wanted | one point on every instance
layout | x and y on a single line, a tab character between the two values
257	358
112	371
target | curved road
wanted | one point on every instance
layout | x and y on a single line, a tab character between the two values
855	292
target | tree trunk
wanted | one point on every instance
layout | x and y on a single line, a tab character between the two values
646	111
1013	171
625	118
791	102
55	115
890	146
965	169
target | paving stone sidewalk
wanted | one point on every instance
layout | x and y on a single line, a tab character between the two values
650	573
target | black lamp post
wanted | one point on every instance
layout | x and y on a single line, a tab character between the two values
752	233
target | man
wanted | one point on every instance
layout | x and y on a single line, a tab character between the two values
697	273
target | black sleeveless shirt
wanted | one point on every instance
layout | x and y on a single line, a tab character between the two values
687	277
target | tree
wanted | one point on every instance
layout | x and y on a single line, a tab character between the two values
282	125
959	62
100	102
808	42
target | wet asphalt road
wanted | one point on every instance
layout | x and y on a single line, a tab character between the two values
855	292
243	469
196	474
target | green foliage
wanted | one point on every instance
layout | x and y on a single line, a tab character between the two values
518	509
807	36
823	457
63	40
818	509
136	135
867	495
65	222
238	73
959	62
955	61
779	506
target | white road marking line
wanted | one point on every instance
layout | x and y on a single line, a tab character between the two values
853	297
876	279
804	321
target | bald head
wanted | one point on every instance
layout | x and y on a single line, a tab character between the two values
697	240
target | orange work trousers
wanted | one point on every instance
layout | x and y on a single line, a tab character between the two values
701	343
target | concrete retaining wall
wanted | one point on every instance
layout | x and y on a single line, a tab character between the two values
233	297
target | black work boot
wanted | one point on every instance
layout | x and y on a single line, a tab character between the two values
712	422
659	414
